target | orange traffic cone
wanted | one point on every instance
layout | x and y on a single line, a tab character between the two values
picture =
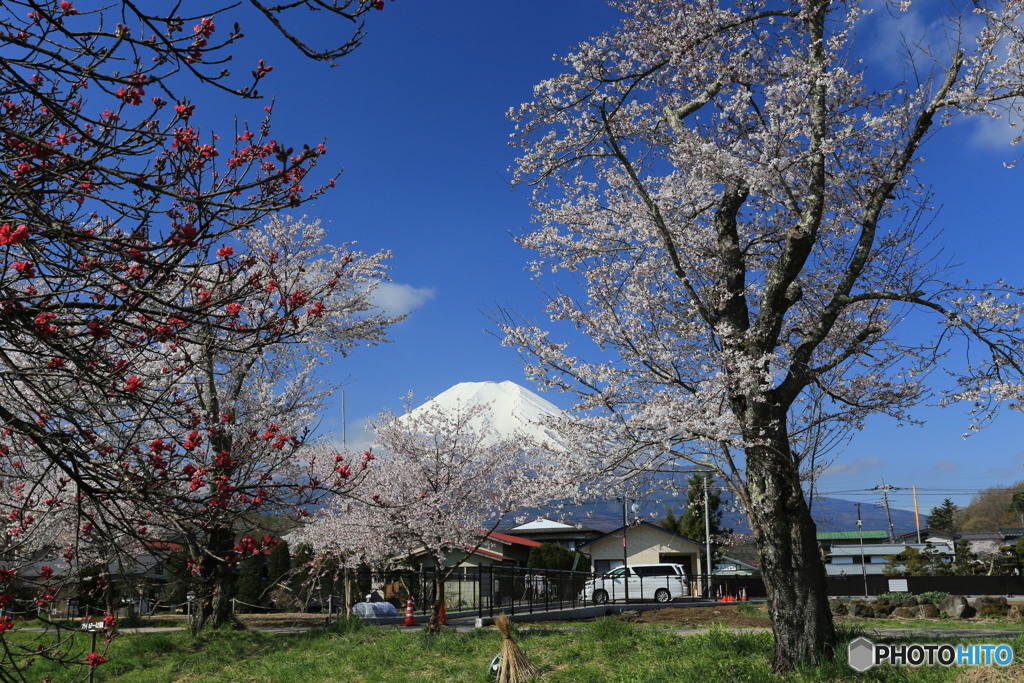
743	594
410	620
442	618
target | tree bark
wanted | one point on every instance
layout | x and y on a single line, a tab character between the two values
216	584
434	623
791	565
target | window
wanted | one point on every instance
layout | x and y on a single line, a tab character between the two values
656	570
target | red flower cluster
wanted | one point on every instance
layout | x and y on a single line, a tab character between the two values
25	268
12	236
94	659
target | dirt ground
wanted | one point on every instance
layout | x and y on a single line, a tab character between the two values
684	617
289	620
700	616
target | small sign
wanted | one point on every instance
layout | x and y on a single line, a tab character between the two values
898	586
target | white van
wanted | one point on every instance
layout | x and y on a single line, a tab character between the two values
658	582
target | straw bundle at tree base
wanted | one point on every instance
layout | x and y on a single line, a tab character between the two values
515	667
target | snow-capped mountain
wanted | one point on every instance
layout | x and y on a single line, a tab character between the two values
514	410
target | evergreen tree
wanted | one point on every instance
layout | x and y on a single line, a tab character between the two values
945	517
551	556
672	522
1017	505
691	523
965	563
300	581
252	577
279	564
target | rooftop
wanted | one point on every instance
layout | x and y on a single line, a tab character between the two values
886	549
851	535
543	523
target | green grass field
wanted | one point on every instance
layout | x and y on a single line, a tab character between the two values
605	650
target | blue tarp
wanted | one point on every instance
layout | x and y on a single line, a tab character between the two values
373	610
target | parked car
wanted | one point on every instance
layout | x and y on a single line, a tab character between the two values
658	582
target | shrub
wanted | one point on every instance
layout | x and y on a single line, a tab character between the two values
747	609
892	597
934	597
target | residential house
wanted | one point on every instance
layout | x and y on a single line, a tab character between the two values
462	588
826	539
545	530
730	566
929	535
1011	535
846	560
495	549
646	543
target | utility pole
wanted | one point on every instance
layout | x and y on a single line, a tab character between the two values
707	531
625	575
885	488
863	567
917	515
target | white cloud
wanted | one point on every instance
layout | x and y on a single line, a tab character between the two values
996	133
945	466
357	437
398	299
857	466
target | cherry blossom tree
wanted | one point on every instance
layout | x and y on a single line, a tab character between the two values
231	409
734	210
439	480
113	199
116	235
238	400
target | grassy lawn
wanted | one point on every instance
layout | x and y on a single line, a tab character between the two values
604	650
948	624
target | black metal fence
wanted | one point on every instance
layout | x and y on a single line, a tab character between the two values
490	590
517	590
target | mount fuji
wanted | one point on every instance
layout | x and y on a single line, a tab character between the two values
517	411
513	410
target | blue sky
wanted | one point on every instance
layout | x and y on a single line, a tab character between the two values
416	117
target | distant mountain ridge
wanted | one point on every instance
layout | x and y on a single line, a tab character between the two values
830	514
515	410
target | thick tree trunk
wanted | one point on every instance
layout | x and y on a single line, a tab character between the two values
216	584
791	564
